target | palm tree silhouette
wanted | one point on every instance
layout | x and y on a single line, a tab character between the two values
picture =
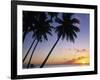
29	19
66	29
42	28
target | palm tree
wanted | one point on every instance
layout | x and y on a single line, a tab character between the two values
41	29
29	19
66	29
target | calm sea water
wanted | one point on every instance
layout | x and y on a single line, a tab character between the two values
49	66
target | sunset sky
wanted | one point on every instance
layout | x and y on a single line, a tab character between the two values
65	52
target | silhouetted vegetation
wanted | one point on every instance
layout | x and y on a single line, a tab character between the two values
65	30
40	27
39	24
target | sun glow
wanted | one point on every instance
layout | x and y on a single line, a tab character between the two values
84	60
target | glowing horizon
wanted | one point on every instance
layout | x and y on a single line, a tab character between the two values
63	56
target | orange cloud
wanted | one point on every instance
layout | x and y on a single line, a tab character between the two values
79	60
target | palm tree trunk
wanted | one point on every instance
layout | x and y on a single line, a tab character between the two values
29	50
49	53
32	54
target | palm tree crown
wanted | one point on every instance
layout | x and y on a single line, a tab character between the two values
28	20
67	29
42	28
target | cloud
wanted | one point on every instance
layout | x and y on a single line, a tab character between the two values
81	50
75	59
79	58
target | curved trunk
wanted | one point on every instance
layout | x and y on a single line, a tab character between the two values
32	54
28	50
49	53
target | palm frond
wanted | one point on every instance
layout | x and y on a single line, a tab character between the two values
67	29
75	20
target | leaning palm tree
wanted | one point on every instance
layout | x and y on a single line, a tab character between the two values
29	19
66	29
41	29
